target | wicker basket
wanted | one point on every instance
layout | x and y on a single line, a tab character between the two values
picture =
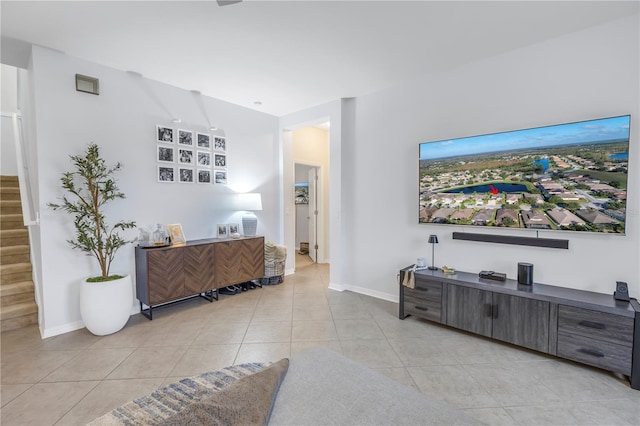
273	272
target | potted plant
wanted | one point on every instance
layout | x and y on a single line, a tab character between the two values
105	300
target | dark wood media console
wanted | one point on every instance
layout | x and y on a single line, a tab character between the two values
590	328
197	268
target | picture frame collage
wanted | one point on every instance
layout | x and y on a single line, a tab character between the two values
185	156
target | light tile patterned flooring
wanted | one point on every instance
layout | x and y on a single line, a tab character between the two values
72	378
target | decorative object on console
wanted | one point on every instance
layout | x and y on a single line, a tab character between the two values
433	240
249	203
223	231
176	234
525	273
622	291
492	275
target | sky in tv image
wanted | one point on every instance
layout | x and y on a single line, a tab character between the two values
614	128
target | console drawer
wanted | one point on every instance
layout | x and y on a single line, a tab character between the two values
595	352
425	290
595	325
423	308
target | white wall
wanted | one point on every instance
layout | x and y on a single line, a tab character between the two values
586	75
122	120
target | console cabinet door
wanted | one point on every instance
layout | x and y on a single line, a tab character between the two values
521	321
238	261
199	269
165	275
469	309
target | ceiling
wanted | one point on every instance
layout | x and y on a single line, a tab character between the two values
290	55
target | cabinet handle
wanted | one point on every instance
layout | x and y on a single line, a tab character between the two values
421	308
488	311
590	324
421	289
591	352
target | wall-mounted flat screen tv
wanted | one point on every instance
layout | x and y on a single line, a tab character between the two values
570	177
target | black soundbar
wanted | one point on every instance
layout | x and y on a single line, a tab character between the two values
506	239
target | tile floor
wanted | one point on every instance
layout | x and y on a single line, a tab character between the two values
72	378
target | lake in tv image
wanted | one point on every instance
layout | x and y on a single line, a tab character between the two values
569	177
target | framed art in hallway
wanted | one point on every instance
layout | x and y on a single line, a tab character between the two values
166	174
185	156
219	143
185	137
204	176
165	154
220	160
185	175
220	176
204	159
164	134
204	141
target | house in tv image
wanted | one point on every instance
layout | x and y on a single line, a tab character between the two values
597	218
482	217
563	217
535	219
506	217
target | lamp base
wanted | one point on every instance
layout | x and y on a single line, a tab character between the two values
249	224
433	268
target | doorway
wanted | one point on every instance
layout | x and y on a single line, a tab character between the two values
307	208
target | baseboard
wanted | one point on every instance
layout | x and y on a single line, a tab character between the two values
395	298
61	329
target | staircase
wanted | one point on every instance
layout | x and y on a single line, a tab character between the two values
17	300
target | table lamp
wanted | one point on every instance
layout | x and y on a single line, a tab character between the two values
433	240
249	203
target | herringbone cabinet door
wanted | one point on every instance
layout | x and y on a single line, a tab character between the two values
166	275
199	268
238	261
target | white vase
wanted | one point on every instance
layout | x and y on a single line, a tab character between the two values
105	307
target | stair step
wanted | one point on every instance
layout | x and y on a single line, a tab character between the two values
18	310
16	288
10	207
11	221
9	193
16	299
16	278
15	268
9	181
13	237
19	322
14	254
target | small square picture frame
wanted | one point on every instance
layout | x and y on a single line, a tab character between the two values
220	177
204	176
176	234
204	159
220	143
165	154
234	228
222	231
220	160
185	175
204	141
185	137
166	174
164	134
185	156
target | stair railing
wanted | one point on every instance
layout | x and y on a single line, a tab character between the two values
30	216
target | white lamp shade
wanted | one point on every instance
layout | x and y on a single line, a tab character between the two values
251	201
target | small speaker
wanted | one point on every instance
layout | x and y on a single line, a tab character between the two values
622	291
525	273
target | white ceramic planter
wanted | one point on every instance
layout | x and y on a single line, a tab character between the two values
105	307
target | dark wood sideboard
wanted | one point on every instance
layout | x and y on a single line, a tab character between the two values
583	326
196	268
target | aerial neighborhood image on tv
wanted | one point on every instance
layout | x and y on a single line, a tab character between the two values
569	177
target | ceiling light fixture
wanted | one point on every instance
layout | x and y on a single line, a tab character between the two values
257	103
177	120
213	128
